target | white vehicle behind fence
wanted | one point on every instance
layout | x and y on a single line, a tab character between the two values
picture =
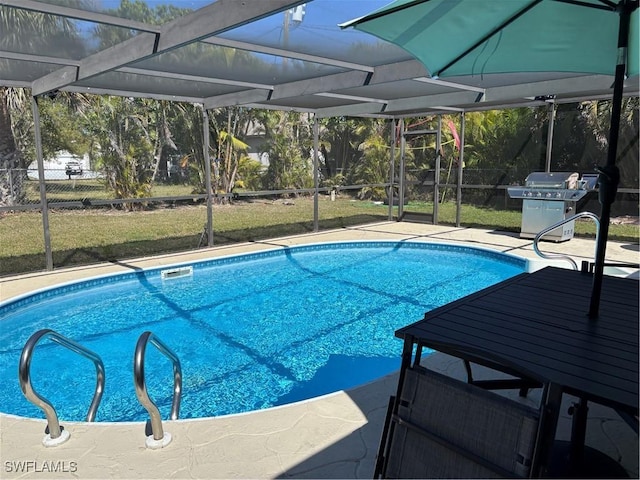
72	168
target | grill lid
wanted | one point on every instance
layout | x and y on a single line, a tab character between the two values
565	180
557	186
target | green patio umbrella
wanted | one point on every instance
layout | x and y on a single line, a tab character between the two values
455	38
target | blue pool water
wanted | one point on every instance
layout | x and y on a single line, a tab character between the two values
251	331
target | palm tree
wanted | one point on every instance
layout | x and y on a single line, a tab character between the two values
504	145
373	164
229	147
10	178
289	140
126	144
24	30
597	116
344	136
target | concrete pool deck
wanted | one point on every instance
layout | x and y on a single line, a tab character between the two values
335	436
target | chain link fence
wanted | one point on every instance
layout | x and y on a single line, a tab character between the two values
87	223
22	187
20	190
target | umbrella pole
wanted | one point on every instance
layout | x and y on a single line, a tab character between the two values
609	174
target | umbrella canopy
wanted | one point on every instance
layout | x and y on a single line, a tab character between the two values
470	37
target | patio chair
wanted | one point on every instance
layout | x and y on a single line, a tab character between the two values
446	428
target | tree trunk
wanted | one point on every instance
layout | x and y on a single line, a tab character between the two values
11	178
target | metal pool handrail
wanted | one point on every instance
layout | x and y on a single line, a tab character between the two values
542	233
141	387
24	375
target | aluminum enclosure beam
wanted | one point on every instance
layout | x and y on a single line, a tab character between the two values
351	110
127	93
431	101
279	108
428	104
207	169
326	84
290	90
316	179
48	252
355	98
589	83
123	53
84	15
55	80
192	78
467	100
240	98
347	86
210	20
14	83
463	120
280	52
392	167
444	83
218	17
28	57
392	72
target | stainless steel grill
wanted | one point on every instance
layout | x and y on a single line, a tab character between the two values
549	197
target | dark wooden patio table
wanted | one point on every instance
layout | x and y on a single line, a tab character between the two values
537	324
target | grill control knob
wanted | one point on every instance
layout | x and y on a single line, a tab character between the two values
548	195
539	194
558	195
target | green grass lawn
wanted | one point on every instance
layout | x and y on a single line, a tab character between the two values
96	235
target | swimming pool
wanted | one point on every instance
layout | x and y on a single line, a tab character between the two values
252	331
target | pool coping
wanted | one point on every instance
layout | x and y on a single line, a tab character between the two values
113	277
334	436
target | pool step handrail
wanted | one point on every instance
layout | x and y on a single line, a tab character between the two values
561	256
159	437
55	434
